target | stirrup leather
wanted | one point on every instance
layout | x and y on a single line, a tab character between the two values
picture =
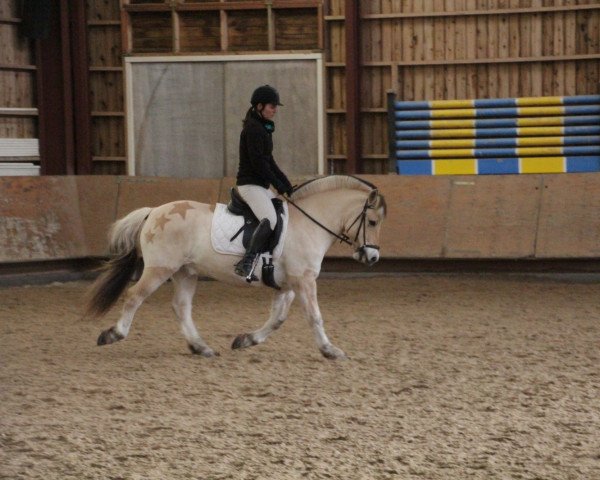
245	267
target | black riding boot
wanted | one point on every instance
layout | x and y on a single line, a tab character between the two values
255	246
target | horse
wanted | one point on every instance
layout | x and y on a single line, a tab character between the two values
173	241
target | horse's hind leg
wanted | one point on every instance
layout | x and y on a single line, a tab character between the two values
151	279
185	287
279	312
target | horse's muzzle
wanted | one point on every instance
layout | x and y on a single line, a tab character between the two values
368	254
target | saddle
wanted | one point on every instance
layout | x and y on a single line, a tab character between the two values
238	206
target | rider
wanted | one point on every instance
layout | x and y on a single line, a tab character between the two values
258	170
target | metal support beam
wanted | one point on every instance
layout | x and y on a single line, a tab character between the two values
63	91
353	130
81	90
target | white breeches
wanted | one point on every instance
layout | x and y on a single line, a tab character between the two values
259	200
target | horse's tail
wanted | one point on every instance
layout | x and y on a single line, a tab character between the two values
117	272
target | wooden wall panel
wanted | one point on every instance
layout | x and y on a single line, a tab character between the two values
424	49
335	47
17	89
296	29
106	92
18	127
442	49
200	31
152	32
247	30
108	138
104	46
17	76
107	10
16	49
107	104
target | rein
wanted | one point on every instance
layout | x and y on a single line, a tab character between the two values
362	216
342	238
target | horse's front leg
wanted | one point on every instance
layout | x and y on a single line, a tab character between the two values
306	288
279	312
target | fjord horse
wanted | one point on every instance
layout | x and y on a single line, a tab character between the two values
174	242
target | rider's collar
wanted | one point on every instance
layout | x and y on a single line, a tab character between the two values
268	124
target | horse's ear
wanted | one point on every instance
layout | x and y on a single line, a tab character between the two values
372	197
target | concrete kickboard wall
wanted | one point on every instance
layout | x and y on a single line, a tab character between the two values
495	217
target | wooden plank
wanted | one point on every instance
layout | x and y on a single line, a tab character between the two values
175	31
559	49
536	50
507	59
247	30
103	23
18	127
19	147
295	30
126	31
457	12
224	31
108	137
320	28
201	33
460	52
570	31
105	11
270	27
151	31
18	112
17	68
18	89
230	5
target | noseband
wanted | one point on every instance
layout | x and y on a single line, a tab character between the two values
343	238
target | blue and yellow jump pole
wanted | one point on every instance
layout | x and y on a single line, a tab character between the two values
495	136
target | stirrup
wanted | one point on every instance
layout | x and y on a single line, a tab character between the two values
245	268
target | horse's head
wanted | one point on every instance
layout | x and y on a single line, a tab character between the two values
364	229
357	228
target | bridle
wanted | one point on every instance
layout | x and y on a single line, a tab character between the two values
361	218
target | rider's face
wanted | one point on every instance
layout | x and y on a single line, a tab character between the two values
268	111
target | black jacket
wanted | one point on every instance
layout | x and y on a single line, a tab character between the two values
257	165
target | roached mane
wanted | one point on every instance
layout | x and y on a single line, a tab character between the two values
331	182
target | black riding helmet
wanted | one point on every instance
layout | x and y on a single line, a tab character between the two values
265	94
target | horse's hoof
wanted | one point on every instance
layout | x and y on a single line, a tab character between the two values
243	340
204	351
333	353
109	336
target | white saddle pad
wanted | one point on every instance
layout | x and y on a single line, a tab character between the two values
225	225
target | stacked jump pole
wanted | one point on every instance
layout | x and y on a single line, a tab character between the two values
494	136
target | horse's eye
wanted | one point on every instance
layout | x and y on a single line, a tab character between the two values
372	223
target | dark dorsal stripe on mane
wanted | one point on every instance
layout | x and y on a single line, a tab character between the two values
331	182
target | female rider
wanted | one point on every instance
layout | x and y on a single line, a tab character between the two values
258	170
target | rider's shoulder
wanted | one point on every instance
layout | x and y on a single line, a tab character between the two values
254	127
